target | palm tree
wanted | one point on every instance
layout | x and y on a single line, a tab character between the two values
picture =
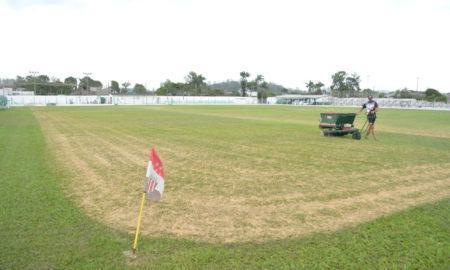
259	79
244	76
125	86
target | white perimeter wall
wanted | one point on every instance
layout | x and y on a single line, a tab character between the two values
191	100
126	100
391	103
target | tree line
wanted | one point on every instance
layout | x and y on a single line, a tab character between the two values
348	85
343	84
195	85
45	85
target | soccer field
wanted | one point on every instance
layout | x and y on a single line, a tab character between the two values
243	175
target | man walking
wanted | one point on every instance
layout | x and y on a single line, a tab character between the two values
371	107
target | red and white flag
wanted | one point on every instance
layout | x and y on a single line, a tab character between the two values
154	182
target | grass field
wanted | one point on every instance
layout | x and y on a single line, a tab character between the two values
246	187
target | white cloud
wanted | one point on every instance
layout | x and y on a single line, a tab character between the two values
389	43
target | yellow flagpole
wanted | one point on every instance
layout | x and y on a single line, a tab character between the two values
139	223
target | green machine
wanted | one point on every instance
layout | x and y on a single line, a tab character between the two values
339	124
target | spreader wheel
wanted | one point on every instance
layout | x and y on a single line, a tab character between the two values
356	135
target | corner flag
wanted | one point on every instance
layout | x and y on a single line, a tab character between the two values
153	188
154	182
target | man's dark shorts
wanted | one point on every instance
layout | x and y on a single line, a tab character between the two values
371	117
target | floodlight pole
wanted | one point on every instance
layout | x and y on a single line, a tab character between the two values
34	73
417	84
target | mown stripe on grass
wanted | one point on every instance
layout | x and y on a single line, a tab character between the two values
39	227
413	239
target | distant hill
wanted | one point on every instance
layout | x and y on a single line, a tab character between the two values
231	86
228	85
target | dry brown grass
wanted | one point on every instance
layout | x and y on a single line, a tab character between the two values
214	195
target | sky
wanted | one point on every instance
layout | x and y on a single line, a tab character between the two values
390	44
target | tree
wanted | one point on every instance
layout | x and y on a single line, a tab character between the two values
115	88
71	81
87	82
353	83
125	86
254	84
367	92
338	86
244	76
434	95
42	85
405	93
55	80
42	78
344	85
169	88
261	87
263	92
20	79
258	80
265	85
196	82
315	88
139	89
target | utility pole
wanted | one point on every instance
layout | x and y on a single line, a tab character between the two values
34	73
87	75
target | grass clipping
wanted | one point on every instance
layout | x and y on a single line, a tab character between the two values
229	191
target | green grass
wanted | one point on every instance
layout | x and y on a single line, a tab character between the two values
41	228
